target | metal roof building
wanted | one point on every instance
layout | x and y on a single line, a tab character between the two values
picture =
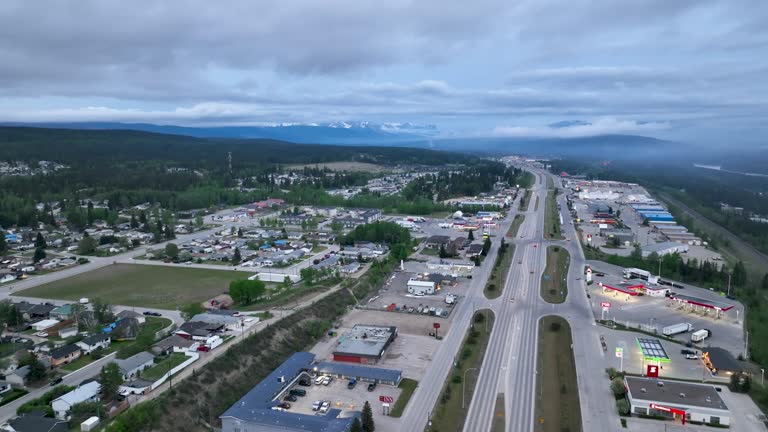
254	413
364	343
675	399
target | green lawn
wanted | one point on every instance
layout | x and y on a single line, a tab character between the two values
557	394
9	348
553	288
317	249
430	252
159	369
408	386
449	414
161	287
144	339
85	360
12	395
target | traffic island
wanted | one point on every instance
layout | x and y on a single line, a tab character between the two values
557	392
451	409
516	222
498	280
554	287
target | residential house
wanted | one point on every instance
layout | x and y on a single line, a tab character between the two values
5	387
123	329
437	241
171	344
474	250
229	322
94	342
131	314
35	421
64	355
68	332
133	365
350	268
88	392
63	312
199	330
31	311
18	376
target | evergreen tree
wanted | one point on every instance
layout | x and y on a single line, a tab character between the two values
764	284
236	258
110	379
39	255
486	247
40	241
134	222
240	233
356	426
471	235
4	245
367	418
37	370
143	217
169	234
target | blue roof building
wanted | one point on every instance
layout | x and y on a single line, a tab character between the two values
254	413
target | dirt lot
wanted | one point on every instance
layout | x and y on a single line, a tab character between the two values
411	352
396	291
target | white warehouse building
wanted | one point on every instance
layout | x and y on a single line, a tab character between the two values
421	287
664	248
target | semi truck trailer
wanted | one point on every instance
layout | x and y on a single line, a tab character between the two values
676	329
700	335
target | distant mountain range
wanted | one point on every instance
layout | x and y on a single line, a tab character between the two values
342	132
603	147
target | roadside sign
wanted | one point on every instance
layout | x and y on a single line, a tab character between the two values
652	371
605	304
436	325
619	352
386	399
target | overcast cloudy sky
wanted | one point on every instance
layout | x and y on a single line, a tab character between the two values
694	70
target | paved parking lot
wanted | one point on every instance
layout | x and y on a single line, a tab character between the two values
412	350
396	291
659	312
344	399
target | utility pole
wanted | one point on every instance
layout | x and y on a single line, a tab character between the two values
729	283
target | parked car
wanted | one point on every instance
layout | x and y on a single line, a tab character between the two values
285	405
691	356
319	379
41	334
371	386
298	392
316	405
290	398
306	382
327	380
155	314
686	351
56	381
351	384
325	407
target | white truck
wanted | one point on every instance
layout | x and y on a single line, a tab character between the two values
700	335
676	329
636	273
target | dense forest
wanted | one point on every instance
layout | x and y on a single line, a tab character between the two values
466	182
130	167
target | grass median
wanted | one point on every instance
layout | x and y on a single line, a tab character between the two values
498	280
557	392
552	217
408	386
554	287
450	412
525	200
516	222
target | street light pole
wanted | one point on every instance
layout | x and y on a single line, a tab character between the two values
729	283
463	386
762	377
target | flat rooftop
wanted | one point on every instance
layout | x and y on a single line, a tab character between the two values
669	392
365	340
712	304
652	350
625	290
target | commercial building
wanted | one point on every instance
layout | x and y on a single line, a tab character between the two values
364	344
420	287
676	400
254	413
360	373
664	248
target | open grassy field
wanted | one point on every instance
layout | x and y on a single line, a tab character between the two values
498	279
516	222
341	166
525	201
557	393
159	287
451	409
552	217
554	288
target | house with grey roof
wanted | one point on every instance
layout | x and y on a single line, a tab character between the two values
133	365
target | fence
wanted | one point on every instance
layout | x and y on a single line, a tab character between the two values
193	357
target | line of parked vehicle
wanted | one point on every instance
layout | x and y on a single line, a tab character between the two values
321	406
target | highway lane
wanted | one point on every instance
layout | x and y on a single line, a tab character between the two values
417	412
510	363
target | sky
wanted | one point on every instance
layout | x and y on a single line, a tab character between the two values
693	70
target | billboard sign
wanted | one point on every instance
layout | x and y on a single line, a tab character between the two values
605	304
619	352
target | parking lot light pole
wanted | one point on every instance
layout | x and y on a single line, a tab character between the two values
729	284
762	377
463	386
